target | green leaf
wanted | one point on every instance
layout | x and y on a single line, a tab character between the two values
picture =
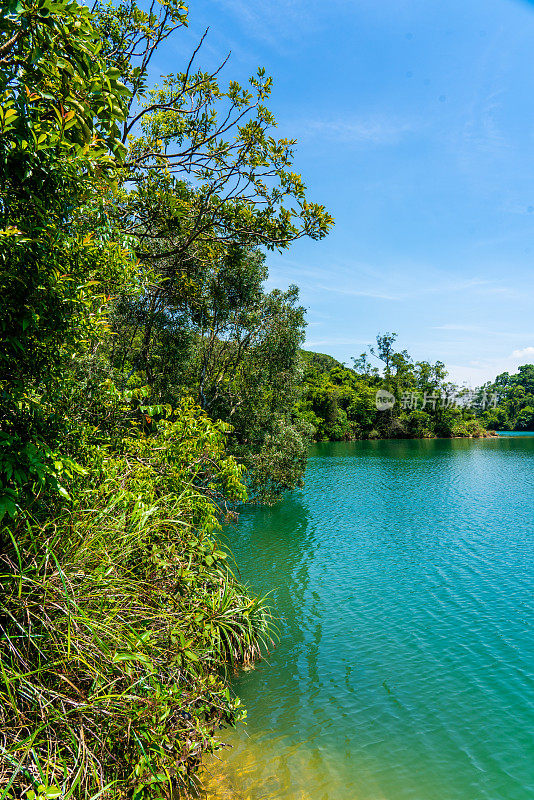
190	656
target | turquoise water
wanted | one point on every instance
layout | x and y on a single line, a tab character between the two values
402	576
515	433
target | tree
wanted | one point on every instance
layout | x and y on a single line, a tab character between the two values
515	399
363	366
204	187
119	615
59	115
384	351
340	403
235	349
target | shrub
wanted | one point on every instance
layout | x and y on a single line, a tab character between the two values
121	617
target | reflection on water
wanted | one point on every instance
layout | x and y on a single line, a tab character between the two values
402	578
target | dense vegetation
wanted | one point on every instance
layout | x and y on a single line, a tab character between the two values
148	384
341	403
514	410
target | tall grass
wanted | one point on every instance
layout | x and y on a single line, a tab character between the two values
118	624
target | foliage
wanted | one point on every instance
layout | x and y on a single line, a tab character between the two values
119	615
96	166
246	371
235	349
514	410
131	285
205	185
59	113
340	402
59	109
197	190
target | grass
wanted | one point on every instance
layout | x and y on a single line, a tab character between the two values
118	626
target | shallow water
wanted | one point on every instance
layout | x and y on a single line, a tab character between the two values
402	576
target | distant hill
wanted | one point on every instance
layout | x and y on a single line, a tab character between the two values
341	403
321	361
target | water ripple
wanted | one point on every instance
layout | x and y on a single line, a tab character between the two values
403	578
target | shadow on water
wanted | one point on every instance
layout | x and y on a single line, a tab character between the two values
402	579
274	549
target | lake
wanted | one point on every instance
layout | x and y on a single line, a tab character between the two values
402	577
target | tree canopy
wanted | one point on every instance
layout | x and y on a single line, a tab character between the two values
514	410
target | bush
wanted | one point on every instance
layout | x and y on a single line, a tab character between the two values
121	617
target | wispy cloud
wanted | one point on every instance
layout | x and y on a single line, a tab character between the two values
274	21
360	293
525	352
454	327
475	285
363	130
468	328
402	289
482	131
334	341
476	372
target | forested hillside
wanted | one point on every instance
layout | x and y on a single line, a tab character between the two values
340	403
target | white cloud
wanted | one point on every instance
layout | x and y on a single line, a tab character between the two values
474	373
336	340
454	327
525	352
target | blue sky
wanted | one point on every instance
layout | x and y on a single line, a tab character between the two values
415	123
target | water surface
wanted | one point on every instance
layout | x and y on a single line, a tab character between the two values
515	433
402	576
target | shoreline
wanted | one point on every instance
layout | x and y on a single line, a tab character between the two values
487	435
